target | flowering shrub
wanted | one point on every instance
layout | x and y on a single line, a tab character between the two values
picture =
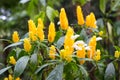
69	56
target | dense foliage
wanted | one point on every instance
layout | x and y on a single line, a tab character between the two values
60	40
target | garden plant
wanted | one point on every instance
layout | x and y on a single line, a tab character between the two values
62	50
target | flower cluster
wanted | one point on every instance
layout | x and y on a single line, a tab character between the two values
10	77
72	45
78	48
90	19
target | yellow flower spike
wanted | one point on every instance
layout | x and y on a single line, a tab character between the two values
93	24
100	33
81	54
12	60
32	36
62	53
51	32
52	52
40	23
32	27
80	17
27	45
63	19
88	20
10	77
32	30
15	37
40	33
92	45
68	42
91	21
17	78
97	55
70	32
66	54
5	78
117	54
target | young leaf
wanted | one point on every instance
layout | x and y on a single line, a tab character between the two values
110	72
20	66
56	73
4	69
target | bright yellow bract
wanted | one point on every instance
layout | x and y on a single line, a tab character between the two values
117	54
51	32
80	17
63	19
27	45
15	37
68	42
92	45
81	53
91	21
97	55
52	52
12	60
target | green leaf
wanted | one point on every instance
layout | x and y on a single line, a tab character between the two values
56	73
82	2
1	64
42	67
58	35
51	13
12	45
60	42
71	71
83	34
40	15
43	2
102	5
84	72
110	27
116	5
110	72
20	66
4	69
31	9
100	22
33	59
117	48
5	40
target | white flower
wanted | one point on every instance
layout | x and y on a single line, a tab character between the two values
98	38
75	37
79	42
58	23
87	48
77	47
